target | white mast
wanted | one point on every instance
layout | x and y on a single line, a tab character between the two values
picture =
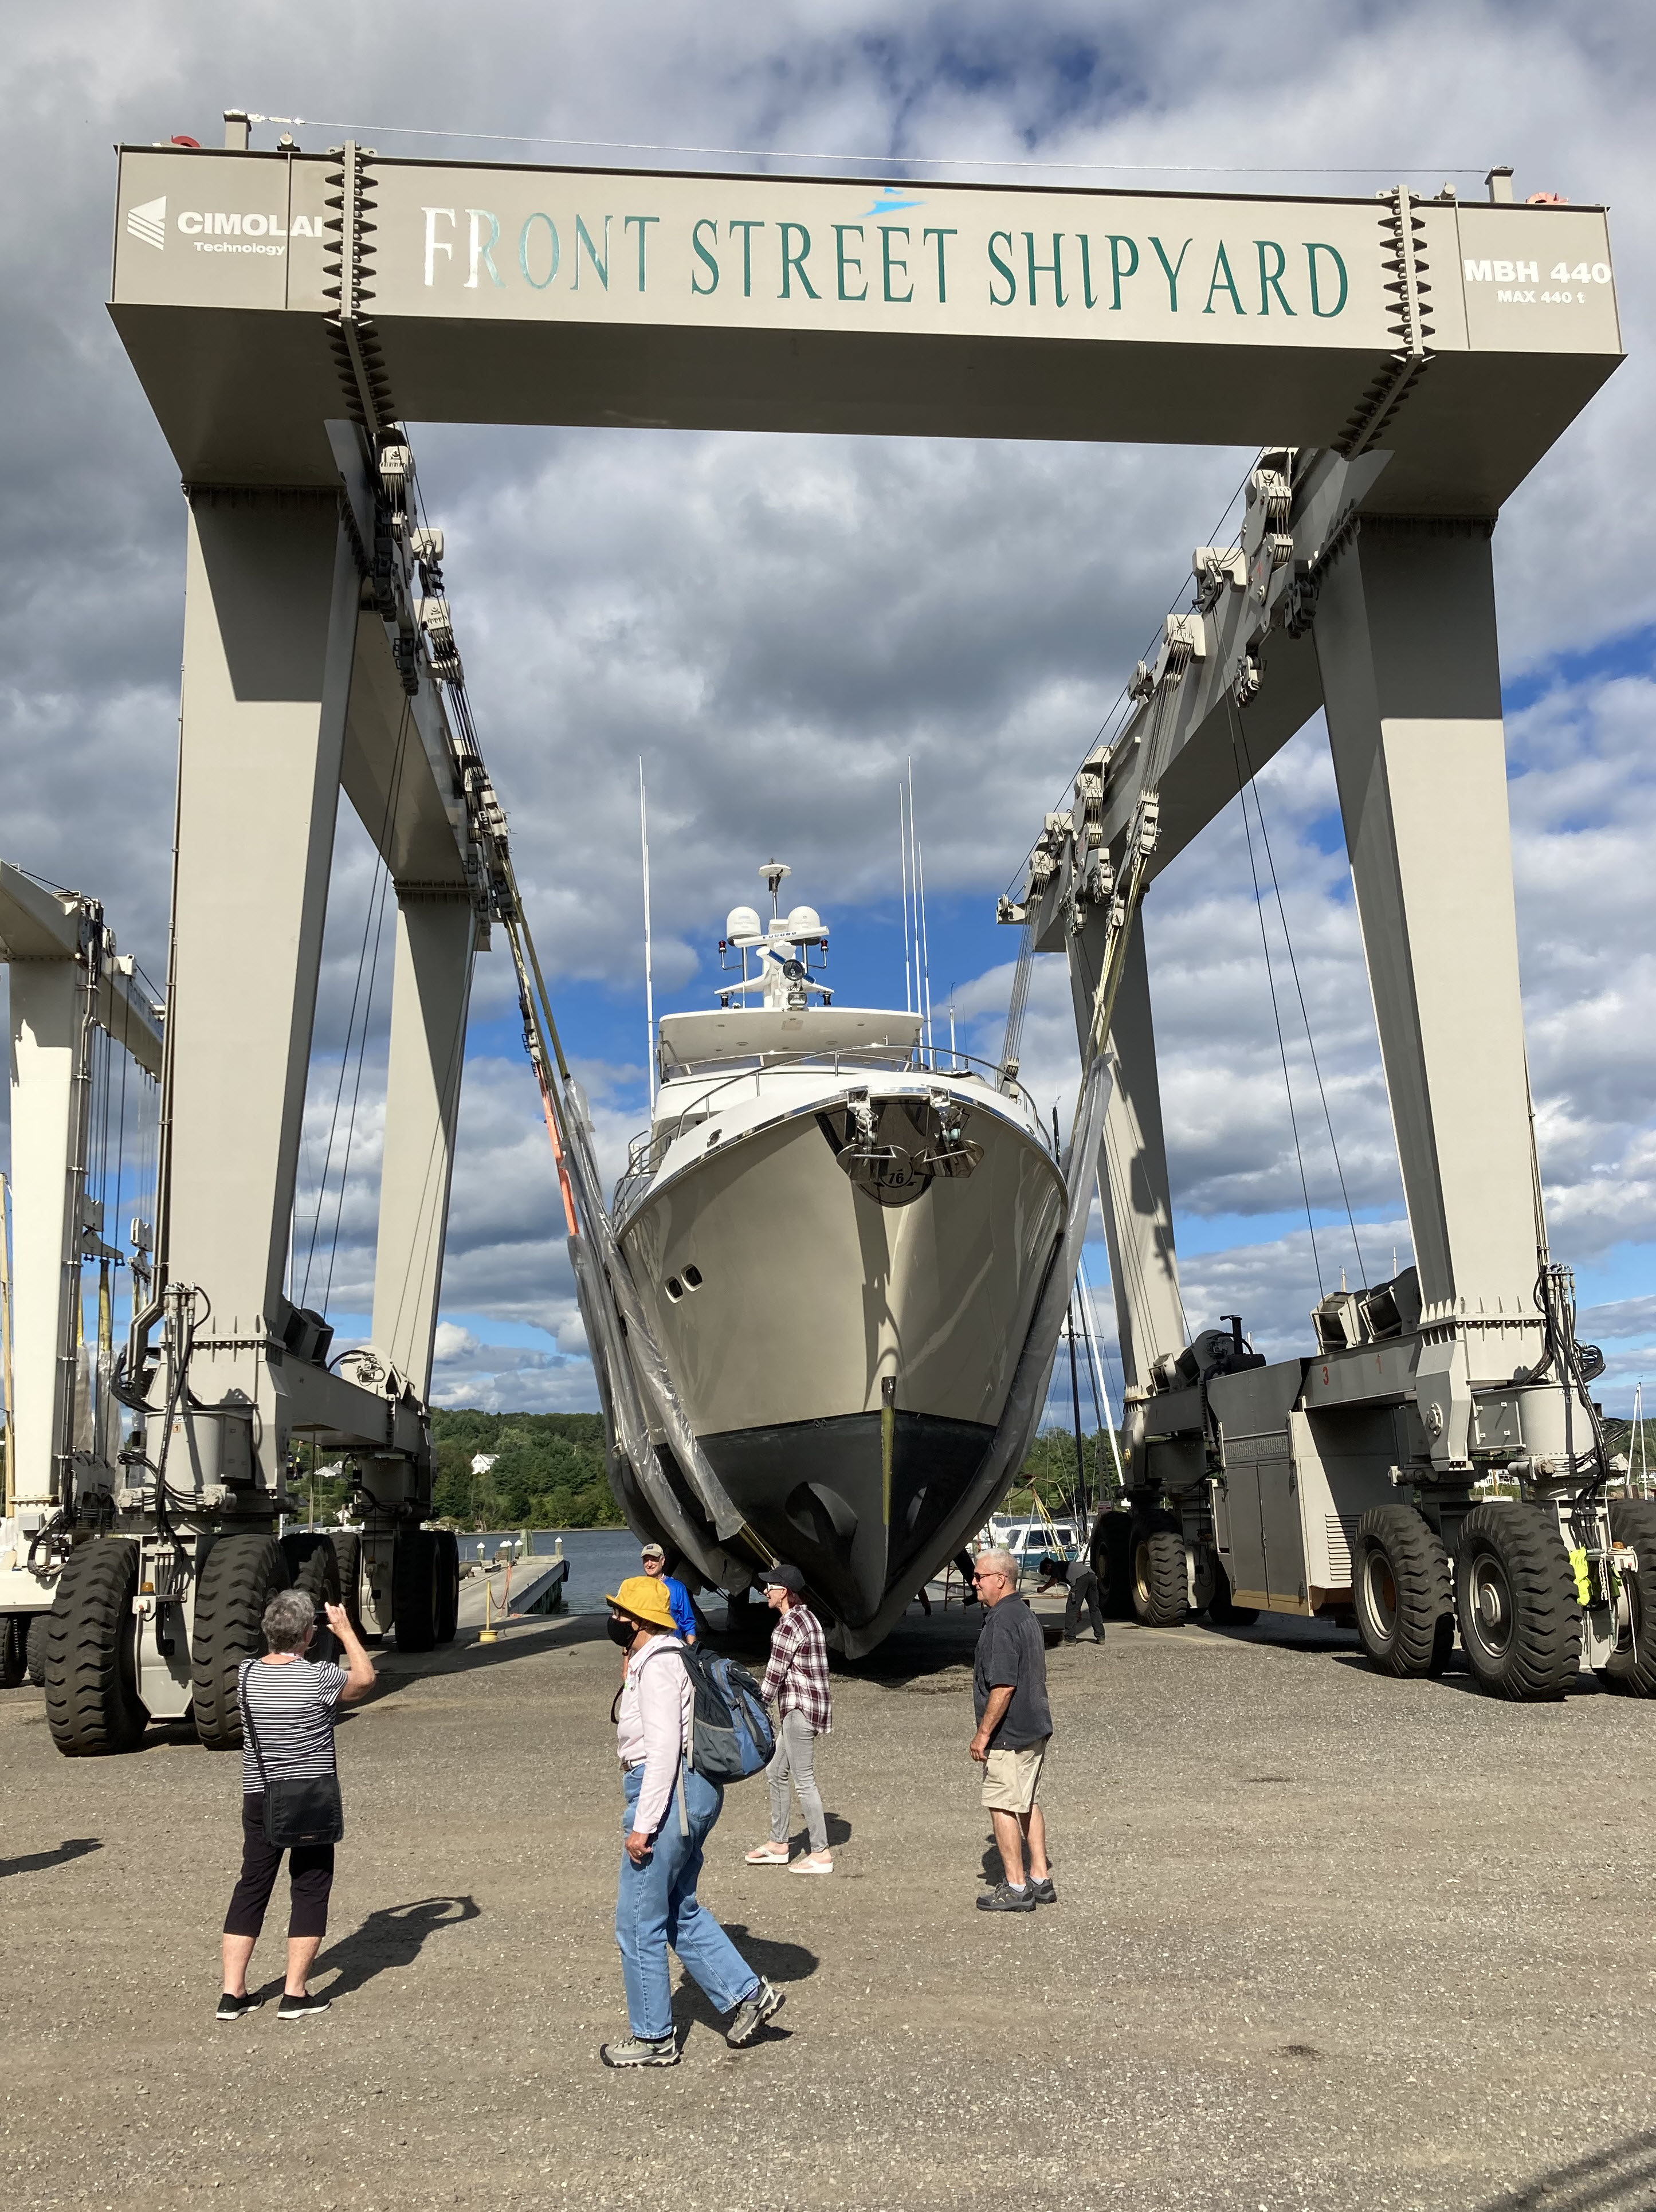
902	857
925	947
649	980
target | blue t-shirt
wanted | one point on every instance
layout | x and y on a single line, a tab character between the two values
679	1598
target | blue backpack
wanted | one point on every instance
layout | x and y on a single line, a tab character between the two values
730	1732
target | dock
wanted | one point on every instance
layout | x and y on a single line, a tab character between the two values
1317	1946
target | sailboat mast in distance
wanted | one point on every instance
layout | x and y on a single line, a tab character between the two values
649	980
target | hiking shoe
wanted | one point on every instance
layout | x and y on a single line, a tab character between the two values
234	2007
1042	1890
752	2014
304	2007
641	2050
768	1854
813	1862
1003	1897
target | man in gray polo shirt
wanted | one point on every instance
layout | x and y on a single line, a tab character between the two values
1015	1725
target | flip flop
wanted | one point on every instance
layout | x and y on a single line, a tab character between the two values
769	1855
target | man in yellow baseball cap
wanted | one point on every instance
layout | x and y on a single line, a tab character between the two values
662	1857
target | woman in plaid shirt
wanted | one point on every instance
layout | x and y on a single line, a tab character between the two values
797	1683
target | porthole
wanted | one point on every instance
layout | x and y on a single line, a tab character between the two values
674	1289
693	1279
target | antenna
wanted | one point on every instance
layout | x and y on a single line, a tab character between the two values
914	887
772	872
649	980
925	947
903	861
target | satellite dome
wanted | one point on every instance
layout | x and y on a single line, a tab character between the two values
805	924
742	926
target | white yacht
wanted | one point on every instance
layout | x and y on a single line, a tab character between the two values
838	1238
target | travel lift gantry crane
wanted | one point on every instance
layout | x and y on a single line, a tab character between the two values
78	1007
252	288
319	656
1349	1480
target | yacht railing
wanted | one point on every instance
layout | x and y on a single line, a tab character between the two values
647	1150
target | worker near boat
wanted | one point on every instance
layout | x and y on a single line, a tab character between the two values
1077	1579
654	1559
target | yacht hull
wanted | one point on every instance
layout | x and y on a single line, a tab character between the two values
844	1357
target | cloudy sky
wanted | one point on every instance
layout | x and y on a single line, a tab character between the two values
778	625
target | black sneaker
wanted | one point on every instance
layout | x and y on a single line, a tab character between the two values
641	2050
1042	1890
1003	1897
234	2007
752	2014
304	2007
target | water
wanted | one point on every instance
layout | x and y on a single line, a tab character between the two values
599	1560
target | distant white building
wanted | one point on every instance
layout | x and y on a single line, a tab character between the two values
482	1462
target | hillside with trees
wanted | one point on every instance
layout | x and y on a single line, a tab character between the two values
547	1470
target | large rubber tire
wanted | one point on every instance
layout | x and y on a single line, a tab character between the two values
237	1580
348	1551
39	1626
310	1559
92	1686
1632	1672
1112	1557
1520	1622
1402	1594
448	1585
414	1588
1161	1587
14	1649
1221	1611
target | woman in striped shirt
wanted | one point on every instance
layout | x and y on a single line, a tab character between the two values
291	1702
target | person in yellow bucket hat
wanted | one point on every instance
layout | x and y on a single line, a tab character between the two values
669	1810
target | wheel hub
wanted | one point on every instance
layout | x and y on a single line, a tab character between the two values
1382	1592
1491	1604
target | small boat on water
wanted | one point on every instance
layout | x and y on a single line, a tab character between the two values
838	1238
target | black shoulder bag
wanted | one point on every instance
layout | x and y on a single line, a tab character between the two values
296	1814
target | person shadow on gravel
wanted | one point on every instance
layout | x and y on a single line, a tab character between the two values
392	1938
776	1962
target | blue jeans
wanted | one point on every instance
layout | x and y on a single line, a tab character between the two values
656	1906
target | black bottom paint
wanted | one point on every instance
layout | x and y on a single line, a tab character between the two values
814	1492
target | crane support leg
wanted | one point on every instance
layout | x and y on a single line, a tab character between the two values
270	619
1134	1192
436	935
1405	633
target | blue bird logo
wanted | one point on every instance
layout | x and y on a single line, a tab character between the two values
888	202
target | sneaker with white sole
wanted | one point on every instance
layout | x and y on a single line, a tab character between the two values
641	2050
768	1854
813	1862
309	2007
752	2013
235	2008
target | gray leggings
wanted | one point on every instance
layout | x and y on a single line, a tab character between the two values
795	1748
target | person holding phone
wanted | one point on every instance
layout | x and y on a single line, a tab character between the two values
288	1705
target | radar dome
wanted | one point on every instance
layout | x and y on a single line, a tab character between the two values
742	926
805	925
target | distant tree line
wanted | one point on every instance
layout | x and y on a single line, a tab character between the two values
547	1470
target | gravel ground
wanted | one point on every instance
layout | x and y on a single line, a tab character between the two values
1322	1940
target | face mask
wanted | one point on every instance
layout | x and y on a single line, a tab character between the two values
621	1631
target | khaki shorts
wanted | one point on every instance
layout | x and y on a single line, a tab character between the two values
1010	1777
